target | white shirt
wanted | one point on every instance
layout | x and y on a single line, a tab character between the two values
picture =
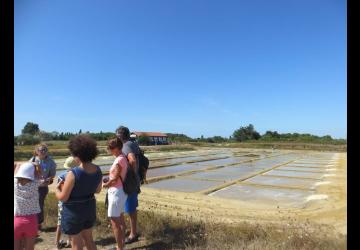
26	198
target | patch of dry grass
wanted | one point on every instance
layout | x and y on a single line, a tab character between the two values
162	232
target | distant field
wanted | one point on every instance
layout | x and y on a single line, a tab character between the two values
277	145
58	149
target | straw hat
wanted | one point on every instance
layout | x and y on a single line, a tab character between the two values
70	163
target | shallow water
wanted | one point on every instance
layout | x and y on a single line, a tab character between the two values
172	170
184	184
307	165
282	182
225	174
222	162
265	195
276	172
320	170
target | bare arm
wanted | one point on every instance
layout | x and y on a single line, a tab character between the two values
98	189
64	193
109	183
132	160
16	166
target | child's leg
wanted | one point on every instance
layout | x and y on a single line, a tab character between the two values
118	231
58	235
17	244
123	226
58	228
29	243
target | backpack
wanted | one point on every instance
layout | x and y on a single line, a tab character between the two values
130	183
143	166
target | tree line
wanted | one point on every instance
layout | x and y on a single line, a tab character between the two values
31	134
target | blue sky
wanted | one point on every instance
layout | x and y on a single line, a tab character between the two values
193	67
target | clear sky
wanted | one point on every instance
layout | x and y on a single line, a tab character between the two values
198	67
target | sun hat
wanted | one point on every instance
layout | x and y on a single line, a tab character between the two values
26	170
70	163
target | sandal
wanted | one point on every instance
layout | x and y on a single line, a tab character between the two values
60	244
129	240
67	244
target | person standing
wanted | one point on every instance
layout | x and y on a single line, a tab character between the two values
70	163
26	206
48	170
77	193
131	151
116	195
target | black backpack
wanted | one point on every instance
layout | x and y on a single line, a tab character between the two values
143	165
130	184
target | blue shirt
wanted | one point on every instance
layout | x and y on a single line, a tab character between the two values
48	168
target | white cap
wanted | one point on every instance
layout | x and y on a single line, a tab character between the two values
26	170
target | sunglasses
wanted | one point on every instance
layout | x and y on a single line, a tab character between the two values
42	150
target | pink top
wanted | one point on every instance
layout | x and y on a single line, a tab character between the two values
120	162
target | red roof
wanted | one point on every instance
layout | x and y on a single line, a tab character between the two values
158	134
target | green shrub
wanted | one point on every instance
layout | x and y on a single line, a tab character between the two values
27	139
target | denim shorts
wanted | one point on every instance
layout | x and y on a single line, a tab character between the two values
76	217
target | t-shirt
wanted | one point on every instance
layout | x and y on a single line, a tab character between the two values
26	198
131	147
123	162
48	168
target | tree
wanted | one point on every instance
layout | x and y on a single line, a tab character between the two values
28	139
55	135
218	139
45	136
178	137
271	135
143	140
246	133
80	131
30	128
